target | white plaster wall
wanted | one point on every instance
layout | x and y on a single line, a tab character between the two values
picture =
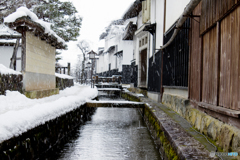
159	20
127	47
40	56
173	11
40	64
6	54
139	20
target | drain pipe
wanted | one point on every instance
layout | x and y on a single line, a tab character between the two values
188	9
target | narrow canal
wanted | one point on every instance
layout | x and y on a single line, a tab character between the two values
112	134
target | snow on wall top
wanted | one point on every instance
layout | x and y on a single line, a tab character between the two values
6	31
24	12
5	70
19	114
63	76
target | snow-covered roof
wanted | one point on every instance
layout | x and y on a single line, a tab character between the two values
7	41
6	32
117	29
24	16
63	76
133	10
5	70
133	20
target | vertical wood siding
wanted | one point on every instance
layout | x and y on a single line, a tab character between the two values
230	61
195	58
219	53
209	85
214	10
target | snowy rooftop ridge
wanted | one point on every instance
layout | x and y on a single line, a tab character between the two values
63	76
25	12
5	70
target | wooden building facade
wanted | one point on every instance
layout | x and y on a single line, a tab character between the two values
214	74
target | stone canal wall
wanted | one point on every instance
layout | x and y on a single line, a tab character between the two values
36	142
223	135
63	83
13	82
170	138
10	82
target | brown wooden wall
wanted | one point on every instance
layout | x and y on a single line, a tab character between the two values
209	80
213	11
215	60
195	58
230	61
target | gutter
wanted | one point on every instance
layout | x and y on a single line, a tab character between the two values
188	9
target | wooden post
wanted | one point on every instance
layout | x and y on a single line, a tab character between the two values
22	30
69	68
218	59
14	56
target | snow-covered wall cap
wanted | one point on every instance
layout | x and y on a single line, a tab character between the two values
25	12
63	76
5	70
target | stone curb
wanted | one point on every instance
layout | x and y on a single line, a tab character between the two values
186	146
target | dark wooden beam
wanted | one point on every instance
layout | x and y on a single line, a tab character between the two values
115	104
14	55
222	110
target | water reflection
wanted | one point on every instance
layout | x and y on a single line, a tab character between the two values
112	134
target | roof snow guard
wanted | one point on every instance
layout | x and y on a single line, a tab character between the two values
24	17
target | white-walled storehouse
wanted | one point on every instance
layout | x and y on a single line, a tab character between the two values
39	44
115	57
118	52
153	21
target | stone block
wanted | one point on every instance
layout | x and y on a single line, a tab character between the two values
41	93
225	138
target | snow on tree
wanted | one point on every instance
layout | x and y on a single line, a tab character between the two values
85	47
62	15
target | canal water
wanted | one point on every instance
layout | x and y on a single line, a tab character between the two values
112	134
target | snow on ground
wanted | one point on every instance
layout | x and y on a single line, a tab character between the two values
5	70
140	95
19	113
63	76
24	12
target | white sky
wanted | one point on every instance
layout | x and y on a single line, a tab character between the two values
96	14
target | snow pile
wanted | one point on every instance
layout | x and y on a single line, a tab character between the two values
5	70
24	12
139	95
63	76
19	113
